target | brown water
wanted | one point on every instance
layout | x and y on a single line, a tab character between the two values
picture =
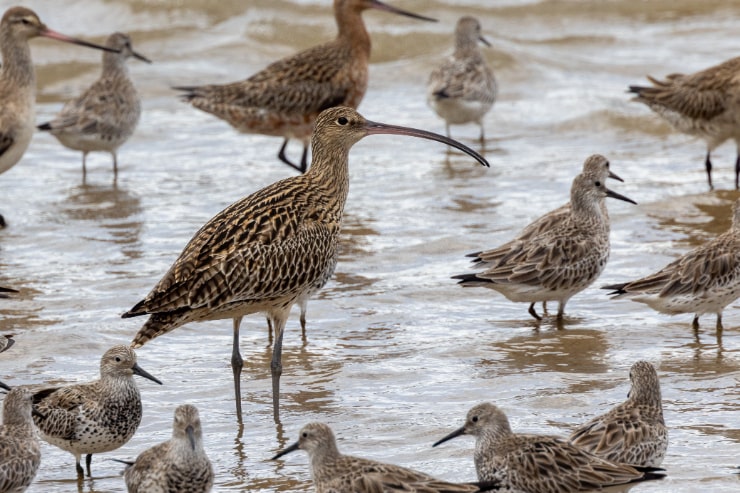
396	352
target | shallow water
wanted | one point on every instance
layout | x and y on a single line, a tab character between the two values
396	352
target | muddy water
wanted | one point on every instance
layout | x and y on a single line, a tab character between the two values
395	352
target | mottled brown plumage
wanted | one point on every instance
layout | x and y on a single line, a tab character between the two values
285	98
334	472
268	250
20	452
634	431
705	104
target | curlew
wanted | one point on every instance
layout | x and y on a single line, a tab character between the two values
94	417
704	280
632	432
562	259
18	81
285	98
704	104
538	463
463	89
106	114
180	464
266	251
334	472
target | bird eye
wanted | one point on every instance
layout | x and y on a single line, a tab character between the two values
474	419
342	120
598	183
118	359
26	21
304	435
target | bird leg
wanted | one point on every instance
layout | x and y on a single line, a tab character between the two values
269	329
304	159
737	172
276	365
84	165
115	163
708	165
695	322
284	158
237	363
533	312
719	322
78	467
88	461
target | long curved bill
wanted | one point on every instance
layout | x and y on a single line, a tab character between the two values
48	33
375	128
614	176
143	373
377	4
456	433
615	195
286	451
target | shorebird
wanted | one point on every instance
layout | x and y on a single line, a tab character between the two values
285	98
334	472
264	252
463	89
20	452
537	463
704	280
560	260
94	417
704	104
106	114
6	341
179	464
18	81
633	432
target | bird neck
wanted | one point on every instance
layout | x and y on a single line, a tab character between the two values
323	462
352	29
17	64
466	48
329	171
113	64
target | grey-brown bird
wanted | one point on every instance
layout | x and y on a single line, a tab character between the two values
704	104
266	251
285	97
18	81
20	452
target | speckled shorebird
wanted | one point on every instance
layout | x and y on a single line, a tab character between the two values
704	104
6	341
106	114
463	89
266	251
562	260
20	452
537	463
18	81
180	464
285	98
704	280
333	472
633	432
94	417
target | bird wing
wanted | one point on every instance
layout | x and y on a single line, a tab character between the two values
470	80
610	435
60	408
147	461
702	95
263	245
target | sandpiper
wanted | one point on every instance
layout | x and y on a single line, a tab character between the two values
633	432
106	114
561	260
20	453
537	463
704	104
18	81
285	98
180	464
704	280
463	89
94	417
266	251
334	472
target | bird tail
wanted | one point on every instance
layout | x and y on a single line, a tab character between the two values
617	289
468	280
650	473
158	324
189	92
44	126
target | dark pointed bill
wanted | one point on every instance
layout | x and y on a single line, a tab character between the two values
48	33
377	4
286	451
190	432
141	57
374	128
484	41
615	195
456	433
614	176
4	386
142	373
